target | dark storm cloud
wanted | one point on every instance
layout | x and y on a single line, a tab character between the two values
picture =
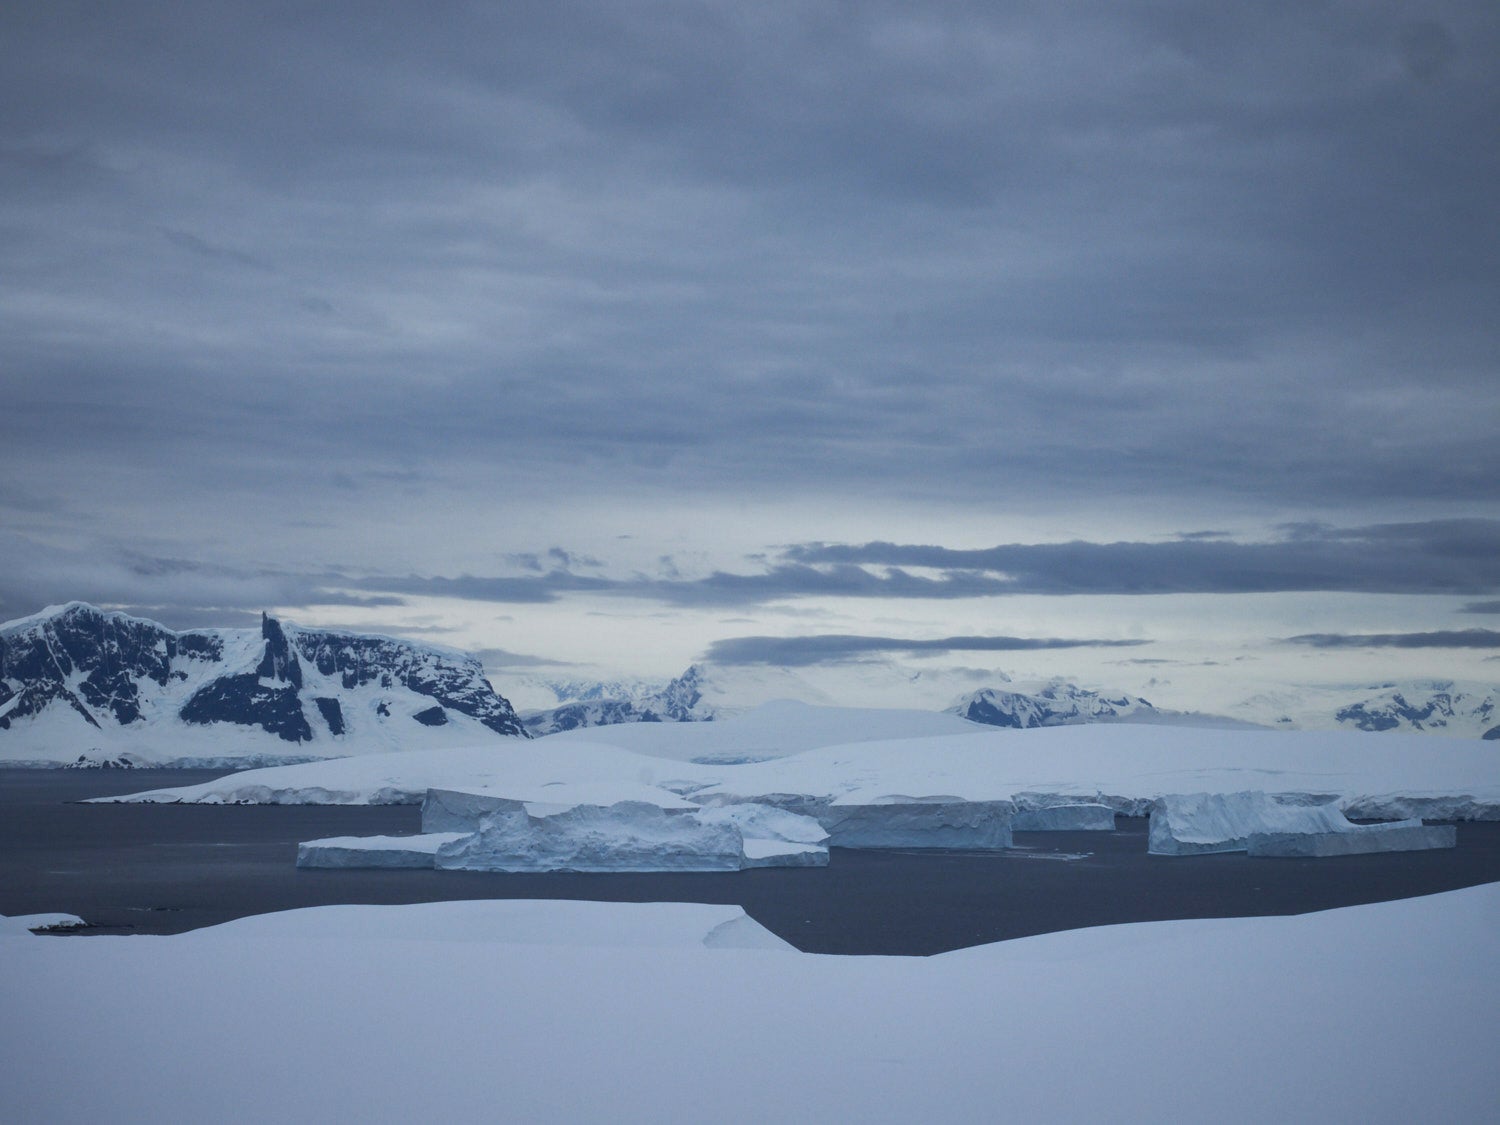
1482	607
1099	250
1439	556
792	652
1444	638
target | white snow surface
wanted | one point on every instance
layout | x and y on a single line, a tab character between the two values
772	730
26	923
563	1012
1124	766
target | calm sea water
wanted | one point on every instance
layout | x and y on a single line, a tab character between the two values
169	868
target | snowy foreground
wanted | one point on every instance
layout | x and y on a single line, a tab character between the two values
573	1011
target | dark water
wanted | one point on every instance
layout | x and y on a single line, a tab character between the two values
168	868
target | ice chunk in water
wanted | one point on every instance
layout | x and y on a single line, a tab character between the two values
1195	823
625	836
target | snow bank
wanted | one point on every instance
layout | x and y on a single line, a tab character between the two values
563	1011
32	923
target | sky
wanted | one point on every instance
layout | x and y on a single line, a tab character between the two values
1153	344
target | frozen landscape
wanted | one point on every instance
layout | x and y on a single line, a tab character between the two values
804	562
565	1012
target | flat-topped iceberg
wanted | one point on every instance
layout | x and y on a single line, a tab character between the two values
374	851
920	822
486	832
1199	823
1082	817
626	836
1358	839
773	837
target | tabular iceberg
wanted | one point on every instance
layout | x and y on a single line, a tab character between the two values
773	837
374	851
1359	839
1065	818
920	822
626	836
1198	823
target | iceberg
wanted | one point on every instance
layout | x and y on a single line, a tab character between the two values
375	851
773	837
783	853
920	822
1198	823
1065	818
1358	839
625	836
450	810
482	831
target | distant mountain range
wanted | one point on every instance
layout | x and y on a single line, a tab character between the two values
1464	710
1059	703
706	692
81	684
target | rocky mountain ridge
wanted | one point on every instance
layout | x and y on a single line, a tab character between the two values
75	676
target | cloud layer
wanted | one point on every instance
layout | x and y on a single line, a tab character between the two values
357	306
832	648
1129	250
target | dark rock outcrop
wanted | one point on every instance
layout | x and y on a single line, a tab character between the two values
115	671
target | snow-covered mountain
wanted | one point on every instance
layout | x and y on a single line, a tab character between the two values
1057	703
680	701
707	692
1467	710
78	684
1444	707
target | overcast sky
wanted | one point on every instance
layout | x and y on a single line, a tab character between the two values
622	334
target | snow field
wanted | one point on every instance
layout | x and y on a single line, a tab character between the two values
564	1012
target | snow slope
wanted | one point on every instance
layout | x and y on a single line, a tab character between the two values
564	1012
